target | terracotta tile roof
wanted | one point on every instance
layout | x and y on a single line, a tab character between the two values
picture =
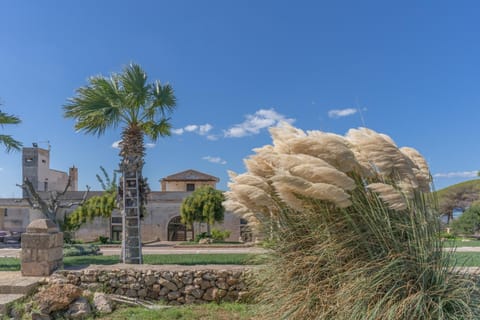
190	175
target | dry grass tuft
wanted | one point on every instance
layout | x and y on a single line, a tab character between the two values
354	230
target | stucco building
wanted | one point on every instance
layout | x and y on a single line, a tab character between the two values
162	219
36	168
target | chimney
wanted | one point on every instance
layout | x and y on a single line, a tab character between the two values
73	174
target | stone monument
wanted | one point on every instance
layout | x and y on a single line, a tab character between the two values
42	248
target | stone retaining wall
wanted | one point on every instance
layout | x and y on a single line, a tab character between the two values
182	286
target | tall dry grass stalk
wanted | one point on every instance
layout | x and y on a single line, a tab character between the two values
354	230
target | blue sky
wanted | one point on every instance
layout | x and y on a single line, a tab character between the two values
412	69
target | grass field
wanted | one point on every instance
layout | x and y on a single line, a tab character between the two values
13	264
462	243
182	259
467	259
220	243
224	311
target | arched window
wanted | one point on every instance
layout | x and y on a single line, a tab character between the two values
178	231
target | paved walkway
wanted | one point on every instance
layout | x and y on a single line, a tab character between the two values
467	249
13	286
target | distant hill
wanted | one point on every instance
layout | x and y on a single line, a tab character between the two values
471	184
475	183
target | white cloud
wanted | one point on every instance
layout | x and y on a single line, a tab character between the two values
337	113
177	131
191	127
202	129
215	160
149	145
212	137
253	123
116	144
460	174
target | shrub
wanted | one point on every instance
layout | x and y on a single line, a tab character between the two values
80	250
200	236
219	235
103	240
447	235
354	228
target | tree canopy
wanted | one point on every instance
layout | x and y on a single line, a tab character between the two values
460	197
96	206
469	221
203	205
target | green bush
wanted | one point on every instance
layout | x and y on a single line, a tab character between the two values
103	240
219	235
447	235
201	236
70	250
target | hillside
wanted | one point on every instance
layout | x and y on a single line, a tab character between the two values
474	184
462	194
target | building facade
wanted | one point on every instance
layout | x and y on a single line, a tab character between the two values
36	168
161	221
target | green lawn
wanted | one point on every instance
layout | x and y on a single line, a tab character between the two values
182	259
192	243
13	264
211	311
9	264
467	259
462	243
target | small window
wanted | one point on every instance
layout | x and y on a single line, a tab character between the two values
44	161
117	220
190	187
45	186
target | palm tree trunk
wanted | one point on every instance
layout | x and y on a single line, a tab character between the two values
133	193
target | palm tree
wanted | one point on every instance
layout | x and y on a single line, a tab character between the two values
7	140
141	109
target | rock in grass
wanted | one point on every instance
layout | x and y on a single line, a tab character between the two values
57	297
102	304
79	309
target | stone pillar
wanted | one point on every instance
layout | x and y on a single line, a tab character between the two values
42	248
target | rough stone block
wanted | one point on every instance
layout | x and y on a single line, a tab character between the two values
42	251
36	240
36	269
55	254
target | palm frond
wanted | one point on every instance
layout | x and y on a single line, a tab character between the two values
135	88
10	143
163	101
8	119
97	106
155	130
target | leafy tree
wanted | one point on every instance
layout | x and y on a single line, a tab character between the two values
7	140
96	206
469	222
459	198
203	205
140	109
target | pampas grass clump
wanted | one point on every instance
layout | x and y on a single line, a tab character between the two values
354	230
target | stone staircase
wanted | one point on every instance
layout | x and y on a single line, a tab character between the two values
13	287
